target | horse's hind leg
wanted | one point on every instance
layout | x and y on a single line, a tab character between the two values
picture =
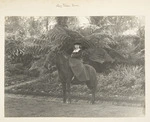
93	96
68	91
64	92
93	90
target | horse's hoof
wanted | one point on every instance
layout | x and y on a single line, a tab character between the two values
92	102
68	102
63	102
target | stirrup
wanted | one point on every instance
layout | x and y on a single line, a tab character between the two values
72	78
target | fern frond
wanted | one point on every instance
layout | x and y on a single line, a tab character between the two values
102	40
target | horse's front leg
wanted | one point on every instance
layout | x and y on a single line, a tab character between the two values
64	92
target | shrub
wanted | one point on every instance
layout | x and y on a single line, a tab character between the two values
122	80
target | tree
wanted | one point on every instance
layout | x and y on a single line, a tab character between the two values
103	36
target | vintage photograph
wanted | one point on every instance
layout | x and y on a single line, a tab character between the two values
74	66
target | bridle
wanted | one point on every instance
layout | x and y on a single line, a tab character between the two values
56	55
65	55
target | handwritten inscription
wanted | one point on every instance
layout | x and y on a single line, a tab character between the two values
66	5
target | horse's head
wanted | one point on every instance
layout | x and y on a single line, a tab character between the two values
62	58
56	58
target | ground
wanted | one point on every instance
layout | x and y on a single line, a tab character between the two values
35	106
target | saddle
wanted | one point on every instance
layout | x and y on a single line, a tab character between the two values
79	69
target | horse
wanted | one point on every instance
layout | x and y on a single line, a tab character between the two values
61	60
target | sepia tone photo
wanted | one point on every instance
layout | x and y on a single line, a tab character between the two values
74	66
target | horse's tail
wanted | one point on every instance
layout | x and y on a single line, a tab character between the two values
93	76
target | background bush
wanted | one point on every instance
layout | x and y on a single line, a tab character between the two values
27	43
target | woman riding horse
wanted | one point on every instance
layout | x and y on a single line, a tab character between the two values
68	67
77	52
77	65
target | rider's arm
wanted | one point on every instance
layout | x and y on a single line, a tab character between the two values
76	54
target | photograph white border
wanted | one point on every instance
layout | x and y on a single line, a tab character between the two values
81	8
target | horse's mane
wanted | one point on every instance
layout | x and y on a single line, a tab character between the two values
62	58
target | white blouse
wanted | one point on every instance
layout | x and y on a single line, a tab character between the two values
76	50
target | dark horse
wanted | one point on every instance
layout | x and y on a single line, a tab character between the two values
61	61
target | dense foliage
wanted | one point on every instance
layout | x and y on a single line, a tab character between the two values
112	39
124	83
